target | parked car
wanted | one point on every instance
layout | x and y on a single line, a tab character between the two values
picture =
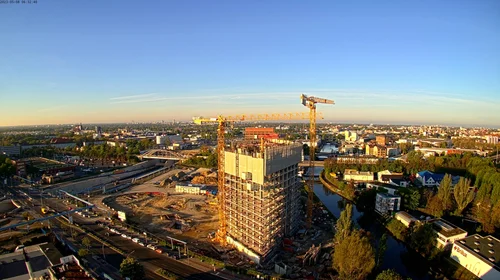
159	250
136	240
124	235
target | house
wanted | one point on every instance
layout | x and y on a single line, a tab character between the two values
385	176
353	174
447	233
430	179
387	203
478	254
405	218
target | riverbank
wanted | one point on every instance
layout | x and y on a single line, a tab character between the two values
442	266
332	187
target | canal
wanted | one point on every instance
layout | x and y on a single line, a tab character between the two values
397	256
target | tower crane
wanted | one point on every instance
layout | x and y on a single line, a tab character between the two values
222	122
310	102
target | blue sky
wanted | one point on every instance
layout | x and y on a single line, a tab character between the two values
381	61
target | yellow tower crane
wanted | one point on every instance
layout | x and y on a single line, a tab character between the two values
310	102
222	122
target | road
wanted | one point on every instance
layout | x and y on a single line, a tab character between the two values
149	258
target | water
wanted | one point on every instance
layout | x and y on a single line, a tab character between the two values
329	149
397	257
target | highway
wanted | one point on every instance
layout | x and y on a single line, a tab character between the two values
146	256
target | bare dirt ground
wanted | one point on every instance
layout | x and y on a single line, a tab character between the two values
187	217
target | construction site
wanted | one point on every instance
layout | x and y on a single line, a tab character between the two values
262	190
162	207
252	212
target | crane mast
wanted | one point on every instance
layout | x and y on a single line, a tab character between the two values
222	122
310	102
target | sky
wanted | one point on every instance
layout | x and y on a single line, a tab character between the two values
425	61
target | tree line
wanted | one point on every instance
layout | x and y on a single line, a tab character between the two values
478	189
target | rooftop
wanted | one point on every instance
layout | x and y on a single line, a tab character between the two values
446	229
406	216
484	247
356	172
388	195
40	257
70	271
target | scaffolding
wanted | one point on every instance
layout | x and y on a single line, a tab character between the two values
262	193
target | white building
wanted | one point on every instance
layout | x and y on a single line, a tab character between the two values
387	203
447	233
405	218
353	174
160	139
480	255
491	139
351	136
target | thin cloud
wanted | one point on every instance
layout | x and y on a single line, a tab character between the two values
132	96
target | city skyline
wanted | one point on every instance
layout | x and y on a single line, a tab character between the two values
425	62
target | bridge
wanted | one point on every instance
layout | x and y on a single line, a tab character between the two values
161	154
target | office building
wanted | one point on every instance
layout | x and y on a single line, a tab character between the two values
478	254
386	203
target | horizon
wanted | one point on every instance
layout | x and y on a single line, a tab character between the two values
397	63
322	121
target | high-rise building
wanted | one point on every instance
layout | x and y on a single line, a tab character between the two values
262	196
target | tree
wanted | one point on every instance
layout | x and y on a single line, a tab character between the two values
353	257
389	274
83	252
349	190
423	239
483	212
463	195
397	229
435	206
411	198
444	192
381	247
344	224
132	269
86	242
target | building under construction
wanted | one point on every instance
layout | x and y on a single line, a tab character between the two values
262	193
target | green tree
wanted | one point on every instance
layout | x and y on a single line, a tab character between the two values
463	195
132	269
423	239
435	206
411	198
353	257
397	229
381	247
483	211
83	252
344	224
86	242
349	190
444	192
389	274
